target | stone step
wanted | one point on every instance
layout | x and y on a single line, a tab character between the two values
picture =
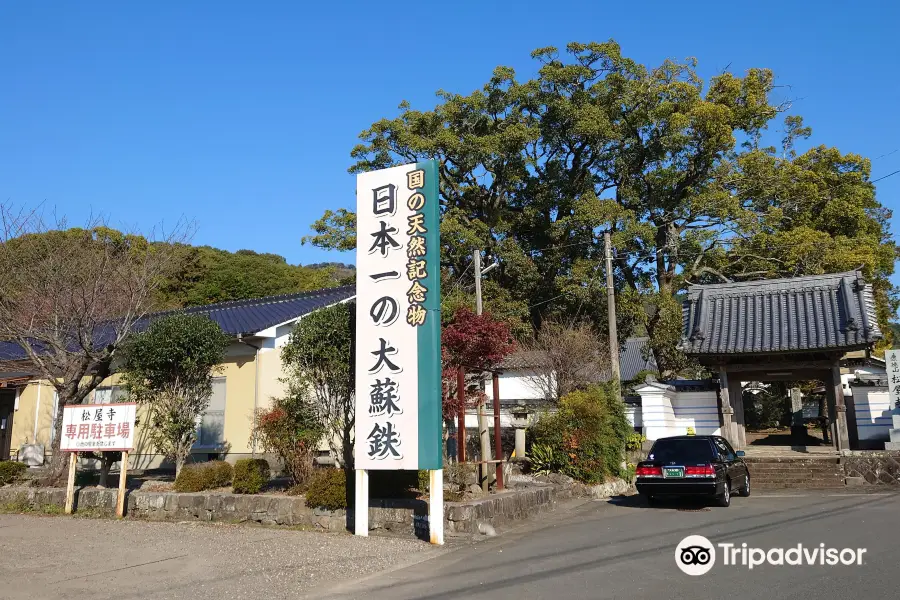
797	479
785	486
755	469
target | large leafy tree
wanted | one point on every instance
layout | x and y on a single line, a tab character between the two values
69	297
209	275
169	368
319	361
534	171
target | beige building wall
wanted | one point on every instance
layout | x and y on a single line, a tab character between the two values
33	419
242	395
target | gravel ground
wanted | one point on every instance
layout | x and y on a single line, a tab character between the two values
49	557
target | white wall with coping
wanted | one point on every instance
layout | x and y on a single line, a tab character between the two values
666	412
873	412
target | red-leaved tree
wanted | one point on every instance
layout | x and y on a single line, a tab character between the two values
477	343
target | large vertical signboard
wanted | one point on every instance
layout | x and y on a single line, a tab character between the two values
398	356
892	360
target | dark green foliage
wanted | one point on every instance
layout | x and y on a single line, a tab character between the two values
291	429
169	368
204	476
585	439
320	364
895	329
770	407
533	169
250	475
208	275
327	489
424	480
11	472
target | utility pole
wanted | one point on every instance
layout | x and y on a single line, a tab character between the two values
483	435
611	310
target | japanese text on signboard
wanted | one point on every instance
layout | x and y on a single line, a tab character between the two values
98	427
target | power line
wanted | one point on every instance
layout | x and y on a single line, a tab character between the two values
886	176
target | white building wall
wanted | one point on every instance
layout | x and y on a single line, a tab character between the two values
657	412
666	412
873	413
699	410
515	385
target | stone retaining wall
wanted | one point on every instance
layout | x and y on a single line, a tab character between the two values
402	516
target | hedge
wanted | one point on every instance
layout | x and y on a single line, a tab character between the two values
204	476
250	475
11	471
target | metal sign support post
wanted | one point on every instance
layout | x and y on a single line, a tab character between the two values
361	504
436	506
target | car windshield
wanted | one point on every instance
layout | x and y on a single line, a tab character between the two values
681	451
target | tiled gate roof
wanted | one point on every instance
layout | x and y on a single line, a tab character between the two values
821	312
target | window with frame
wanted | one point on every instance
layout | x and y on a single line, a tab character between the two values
211	431
108	394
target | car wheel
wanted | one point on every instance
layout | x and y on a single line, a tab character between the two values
745	489
725	499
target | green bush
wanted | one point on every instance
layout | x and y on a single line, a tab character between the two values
250	475
327	489
635	441
543	460
585	439
11	471
424	481
204	476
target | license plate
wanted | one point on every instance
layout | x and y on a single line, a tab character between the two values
673	472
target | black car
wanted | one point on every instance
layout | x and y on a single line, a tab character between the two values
693	465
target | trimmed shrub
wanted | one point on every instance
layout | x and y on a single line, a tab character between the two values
585	439
290	429
327	489
250	475
11	472
204	476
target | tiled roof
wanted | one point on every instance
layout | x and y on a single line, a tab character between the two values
238	317
821	312
244	317
631	359
635	357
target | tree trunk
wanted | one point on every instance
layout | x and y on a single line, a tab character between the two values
105	465
58	469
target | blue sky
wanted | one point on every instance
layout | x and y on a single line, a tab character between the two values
241	115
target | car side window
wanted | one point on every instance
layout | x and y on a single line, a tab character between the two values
725	450
730	449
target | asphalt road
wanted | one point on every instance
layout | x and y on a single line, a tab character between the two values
604	550
588	550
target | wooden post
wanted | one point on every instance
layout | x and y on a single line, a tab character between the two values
436	506
611	311
70	486
498	444
123	475
461	417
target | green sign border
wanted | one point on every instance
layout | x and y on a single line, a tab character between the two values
431	454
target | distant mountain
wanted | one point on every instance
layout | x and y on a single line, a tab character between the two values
207	275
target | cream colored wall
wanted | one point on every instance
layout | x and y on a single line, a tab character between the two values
239	370
270	374
30	410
